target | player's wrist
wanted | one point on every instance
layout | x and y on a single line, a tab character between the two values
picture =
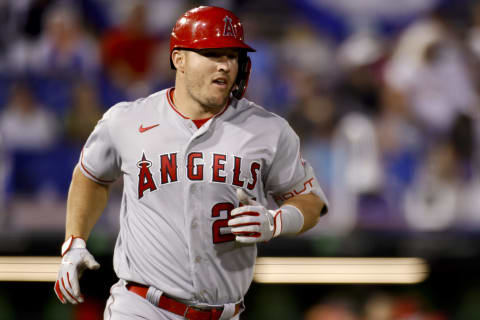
73	242
288	220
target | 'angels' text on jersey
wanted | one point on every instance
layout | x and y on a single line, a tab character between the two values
195	165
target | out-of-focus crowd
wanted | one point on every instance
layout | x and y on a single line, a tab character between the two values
389	119
388	113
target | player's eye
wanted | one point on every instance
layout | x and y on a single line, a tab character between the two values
210	53
218	54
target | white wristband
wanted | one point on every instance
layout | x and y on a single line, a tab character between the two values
288	220
73	243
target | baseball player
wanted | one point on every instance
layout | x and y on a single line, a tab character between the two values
198	163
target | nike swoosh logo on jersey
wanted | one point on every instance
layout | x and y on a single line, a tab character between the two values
143	129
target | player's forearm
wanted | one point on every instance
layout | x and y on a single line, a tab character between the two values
86	202
310	206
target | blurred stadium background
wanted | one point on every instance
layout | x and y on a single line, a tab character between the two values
384	95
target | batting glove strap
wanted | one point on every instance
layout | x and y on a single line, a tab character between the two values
288	220
276	222
73	243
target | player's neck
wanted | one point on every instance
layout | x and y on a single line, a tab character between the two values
190	108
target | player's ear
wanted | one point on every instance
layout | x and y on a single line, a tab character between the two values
178	59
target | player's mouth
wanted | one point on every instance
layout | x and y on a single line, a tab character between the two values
221	82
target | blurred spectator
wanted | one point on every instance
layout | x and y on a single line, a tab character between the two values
307	51
441	195
473	40
264	67
408	307
429	68
362	48
313	118
83	115
367	11
331	310
128	53
378	306
21	25
400	141
63	48
431	202
30	14
25	124
360	58
400	146
357	170
160	15
30	132
314	121
4	170
384	306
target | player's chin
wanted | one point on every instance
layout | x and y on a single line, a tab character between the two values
219	97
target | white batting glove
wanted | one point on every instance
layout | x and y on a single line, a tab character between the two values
76	259
252	222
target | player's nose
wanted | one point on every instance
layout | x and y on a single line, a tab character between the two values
224	63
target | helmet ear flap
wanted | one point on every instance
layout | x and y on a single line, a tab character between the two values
241	83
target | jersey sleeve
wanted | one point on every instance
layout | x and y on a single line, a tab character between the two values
99	159
286	169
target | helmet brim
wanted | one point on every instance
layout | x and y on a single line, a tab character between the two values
213	44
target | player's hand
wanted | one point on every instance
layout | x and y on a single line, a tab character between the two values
76	259
252	222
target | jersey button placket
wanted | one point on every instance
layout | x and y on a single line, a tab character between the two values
193	212
191	127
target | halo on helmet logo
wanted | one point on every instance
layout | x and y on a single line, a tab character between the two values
228	29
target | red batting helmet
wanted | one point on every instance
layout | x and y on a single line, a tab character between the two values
210	28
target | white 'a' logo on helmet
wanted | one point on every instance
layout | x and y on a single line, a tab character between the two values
228	29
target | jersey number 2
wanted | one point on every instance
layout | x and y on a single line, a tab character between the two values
217	209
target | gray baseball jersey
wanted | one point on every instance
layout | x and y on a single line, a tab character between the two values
179	188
